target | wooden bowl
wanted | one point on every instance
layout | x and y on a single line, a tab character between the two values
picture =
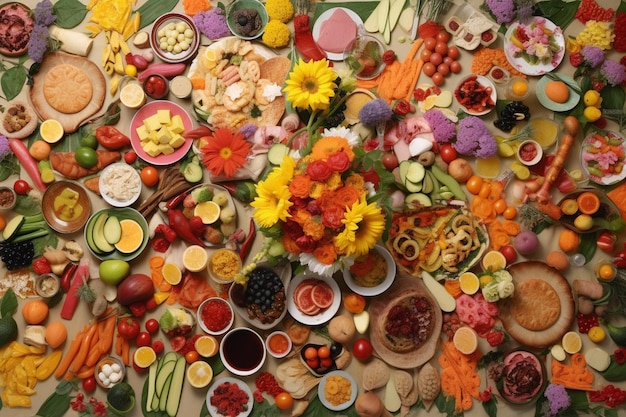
56	216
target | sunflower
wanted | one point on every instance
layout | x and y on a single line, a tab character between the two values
225	152
311	85
364	225
271	203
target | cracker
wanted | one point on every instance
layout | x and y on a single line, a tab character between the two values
67	88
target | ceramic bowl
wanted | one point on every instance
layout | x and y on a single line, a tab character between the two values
278	344
109	371
529	152
150	84
223	265
120	184
47	285
334	406
93	231
383	281
364	56
8	198
53	204
243	362
161	25
470	95
209	307
255	8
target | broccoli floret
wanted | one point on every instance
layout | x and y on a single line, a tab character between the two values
202	194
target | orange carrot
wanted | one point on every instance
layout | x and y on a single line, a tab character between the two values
119	340
85	372
108	329
71	353
417	43
416	75
94	356
125	352
573	376
367	84
193	7
453	287
156	262
82	353
458	376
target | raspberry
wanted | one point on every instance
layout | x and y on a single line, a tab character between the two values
586	322
419	94
389	57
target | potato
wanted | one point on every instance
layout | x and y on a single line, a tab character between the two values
341	328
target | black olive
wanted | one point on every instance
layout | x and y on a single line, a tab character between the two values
242	20
335	349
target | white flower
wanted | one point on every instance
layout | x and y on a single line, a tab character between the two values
321	269
343	132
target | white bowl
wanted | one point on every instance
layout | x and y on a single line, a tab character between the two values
203	325
353	391
380	288
538	152
274	353
243	351
171	57
484	82
241	384
120	184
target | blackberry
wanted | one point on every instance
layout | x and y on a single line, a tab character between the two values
512	113
504	125
17	255
264	295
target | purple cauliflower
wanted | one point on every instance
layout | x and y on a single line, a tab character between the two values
374	112
613	72
443	129
212	23
473	138
503	10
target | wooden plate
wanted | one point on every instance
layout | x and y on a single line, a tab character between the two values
53	219
70	121
541	274
403	285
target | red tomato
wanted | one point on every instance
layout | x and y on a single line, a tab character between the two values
455	67
177	343
453	52
130	157
443	36
441	48
430	43
284	401
191	356
150	176
158	346
152	326
390	161
443	69
437	78
143	339
362	349
21	187
89	384
448	153
509	253
128	328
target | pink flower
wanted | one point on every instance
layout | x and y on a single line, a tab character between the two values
485	396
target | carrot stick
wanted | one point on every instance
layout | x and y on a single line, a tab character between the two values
106	339
85	372
367	84
69	356
404	86
416	75
95	339
94	356
118	344
126	352
80	357
414	48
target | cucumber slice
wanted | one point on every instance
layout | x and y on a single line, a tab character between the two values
13	226
277	152
193	172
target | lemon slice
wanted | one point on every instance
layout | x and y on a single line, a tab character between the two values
465	340
131	238
195	258
172	273
493	260
208	211
469	283
144	356
206	346
199	374
571	342
51	130
132	96
521	171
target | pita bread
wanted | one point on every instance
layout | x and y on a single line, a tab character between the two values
69	121
67	88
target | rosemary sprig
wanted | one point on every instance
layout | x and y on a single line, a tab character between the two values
436	8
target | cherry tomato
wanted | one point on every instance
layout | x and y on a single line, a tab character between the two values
310	353
362	349
21	187
326	363
447	60
437	79
191	356
158	346
323	352
453	52
441	48
284	401
89	384
429	69
128	328
143	339
509	253
390	161
455	67
448	153
130	157
443	36
313	363
500	205
430	43
443	69
436	58
425	55
152	326
150	176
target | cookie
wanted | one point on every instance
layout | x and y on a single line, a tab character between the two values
67	88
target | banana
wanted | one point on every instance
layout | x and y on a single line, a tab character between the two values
109	68
115	82
115	41
106	52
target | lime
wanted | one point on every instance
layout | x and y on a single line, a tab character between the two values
51	130
86	157
89	141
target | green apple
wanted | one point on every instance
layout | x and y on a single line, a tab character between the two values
113	271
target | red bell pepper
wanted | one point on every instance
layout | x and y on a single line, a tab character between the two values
81	276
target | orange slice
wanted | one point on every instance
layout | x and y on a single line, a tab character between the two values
207	346
208	211
132	236
144	356
588	202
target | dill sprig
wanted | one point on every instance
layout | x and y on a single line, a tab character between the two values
431	10
525	133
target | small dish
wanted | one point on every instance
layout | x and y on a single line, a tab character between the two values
8	198
181	50
364	56
499	75
47	285
355	102
223	265
453	25
317	366
221	314
601	154
19	18
531	65
488	37
529	152
340	34
278	344
120	184
94	229
323	315
606	212
243	362
476	94
66	206
517	89
230	388
371	285
572	101
156	86
321	391
109	371
247	19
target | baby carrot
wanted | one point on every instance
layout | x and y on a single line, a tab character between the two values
69	356
83	351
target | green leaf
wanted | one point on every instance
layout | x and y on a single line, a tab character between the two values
445	405
9	166
491	407
40	243
57	404
27	206
588	246
153	9
264	409
362	8
12	82
70	13
558	11
8	305
204	411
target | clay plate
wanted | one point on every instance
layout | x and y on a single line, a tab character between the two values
403	286
70	122
551	335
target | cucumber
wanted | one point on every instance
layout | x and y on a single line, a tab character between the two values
12	227
444	298
151	385
277	153
193	172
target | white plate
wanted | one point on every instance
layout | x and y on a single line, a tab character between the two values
524	66
353	391
317	27
485	82
324	315
380	288
242	385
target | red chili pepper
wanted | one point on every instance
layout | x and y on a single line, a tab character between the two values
66	278
175	201
166	231
180	224
247	244
111	138
198	133
41	266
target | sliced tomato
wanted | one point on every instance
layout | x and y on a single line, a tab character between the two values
177	343
322	295
304	301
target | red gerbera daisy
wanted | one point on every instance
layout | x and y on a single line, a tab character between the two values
225	152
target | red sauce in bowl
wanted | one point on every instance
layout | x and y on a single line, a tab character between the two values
528	152
216	315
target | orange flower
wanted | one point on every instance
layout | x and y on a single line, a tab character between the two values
290	244
300	186
347	196
325	254
313	229
300	216
329	145
225	152
334	181
356	181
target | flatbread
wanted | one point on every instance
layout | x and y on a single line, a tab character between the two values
405	307
67	88
534	272
69	121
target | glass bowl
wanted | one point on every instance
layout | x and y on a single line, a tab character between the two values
109	371
364	56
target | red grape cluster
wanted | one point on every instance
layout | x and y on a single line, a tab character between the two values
586	322
440	59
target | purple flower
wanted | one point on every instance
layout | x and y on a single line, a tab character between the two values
473	138
38	42
4	147
43	13
374	112
524	9
248	130
212	23
592	55
558	398
443	129
503	10
613	72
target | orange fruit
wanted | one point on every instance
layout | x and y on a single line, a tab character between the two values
191	356
465	340
596	334
474	184
588	202
509	213
56	334
284	401
132	236
500	205
469	283
199	374
354	303
206	346
485	190
35	311
3	222
144	356
569	206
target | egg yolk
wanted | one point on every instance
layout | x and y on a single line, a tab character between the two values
557	91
